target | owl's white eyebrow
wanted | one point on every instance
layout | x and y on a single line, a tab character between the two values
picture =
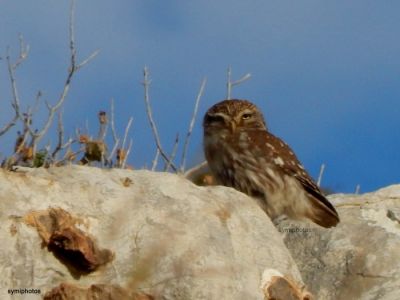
246	111
225	116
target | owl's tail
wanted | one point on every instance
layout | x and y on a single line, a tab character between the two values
323	213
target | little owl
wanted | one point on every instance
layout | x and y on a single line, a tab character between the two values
242	154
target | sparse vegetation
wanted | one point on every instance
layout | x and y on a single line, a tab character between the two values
83	148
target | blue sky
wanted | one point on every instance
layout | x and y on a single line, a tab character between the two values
325	74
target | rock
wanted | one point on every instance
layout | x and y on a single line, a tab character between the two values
358	259
277	287
75	249
138	231
98	292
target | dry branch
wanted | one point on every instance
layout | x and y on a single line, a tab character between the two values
126	132
321	173
196	106
23	54
122	154
173	153
146	84
155	160
357	191
37	135
123	161
60	133
230	83
114	133
114	149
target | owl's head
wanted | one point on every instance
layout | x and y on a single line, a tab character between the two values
233	115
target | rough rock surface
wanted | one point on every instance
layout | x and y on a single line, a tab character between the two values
163	235
360	258
276	287
96	292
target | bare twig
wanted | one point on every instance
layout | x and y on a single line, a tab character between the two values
231	84
11	73
60	135
228	83
9	125
196	106
173	153
36	134
72	36
68	143
23	54
60	145
113	131
114	134
21	142
23	51
72	69
74	66
321	173
122	154
127	154
126	132
88	59
120	151
146	83
155	160
114	149
358	187
68	156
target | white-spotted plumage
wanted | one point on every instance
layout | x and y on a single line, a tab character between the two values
242	154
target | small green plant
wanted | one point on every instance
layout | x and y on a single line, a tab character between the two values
40	158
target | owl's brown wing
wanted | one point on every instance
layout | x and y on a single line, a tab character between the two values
324	214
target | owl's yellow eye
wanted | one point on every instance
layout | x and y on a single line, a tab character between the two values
246	116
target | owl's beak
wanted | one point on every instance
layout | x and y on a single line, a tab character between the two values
233	126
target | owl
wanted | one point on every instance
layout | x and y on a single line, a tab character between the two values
243	154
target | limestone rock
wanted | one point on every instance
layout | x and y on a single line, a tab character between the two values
154	233
278	287
95	291
358	259
78	251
